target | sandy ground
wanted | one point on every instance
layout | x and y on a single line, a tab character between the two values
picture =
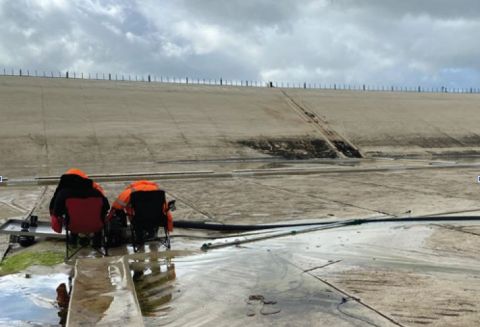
425	276
431	282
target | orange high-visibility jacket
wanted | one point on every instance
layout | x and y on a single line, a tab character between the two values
122	202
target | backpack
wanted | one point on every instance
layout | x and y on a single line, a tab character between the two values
117	229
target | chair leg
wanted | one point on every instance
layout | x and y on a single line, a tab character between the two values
66	244
134	237
69	255
104	240
167	238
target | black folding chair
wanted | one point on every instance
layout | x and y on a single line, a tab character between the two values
149	215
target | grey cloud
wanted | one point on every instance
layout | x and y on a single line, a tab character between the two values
326	41
444	9
244	14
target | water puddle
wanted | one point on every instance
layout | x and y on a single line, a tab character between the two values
273	281
226	287
30	300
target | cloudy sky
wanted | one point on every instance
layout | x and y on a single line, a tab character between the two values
378	42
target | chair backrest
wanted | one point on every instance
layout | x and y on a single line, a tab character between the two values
148	208
84	215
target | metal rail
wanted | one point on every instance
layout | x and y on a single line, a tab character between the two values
175	175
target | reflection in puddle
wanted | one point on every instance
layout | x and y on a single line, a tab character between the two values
154	279
30	301
154	285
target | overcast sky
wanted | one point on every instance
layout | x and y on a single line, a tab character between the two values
390	42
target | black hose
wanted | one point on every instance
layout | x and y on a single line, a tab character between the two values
233	227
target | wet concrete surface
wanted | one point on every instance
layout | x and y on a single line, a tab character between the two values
243	286
269	282
102	294
378	274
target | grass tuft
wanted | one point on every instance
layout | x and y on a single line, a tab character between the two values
25	259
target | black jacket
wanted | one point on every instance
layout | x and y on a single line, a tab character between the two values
70	181
71	186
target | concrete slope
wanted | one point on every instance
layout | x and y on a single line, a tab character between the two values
106	126
389	123
49	124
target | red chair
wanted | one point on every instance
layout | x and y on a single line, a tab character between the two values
84	216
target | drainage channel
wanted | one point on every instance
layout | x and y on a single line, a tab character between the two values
343	147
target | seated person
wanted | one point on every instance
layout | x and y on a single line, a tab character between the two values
122	203
73	184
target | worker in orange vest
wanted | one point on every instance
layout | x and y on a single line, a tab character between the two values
122	203
73	183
